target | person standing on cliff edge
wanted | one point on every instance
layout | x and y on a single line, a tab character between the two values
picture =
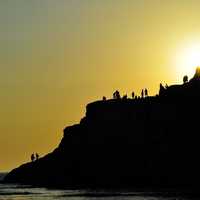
142	93
146	92
32	157
37	156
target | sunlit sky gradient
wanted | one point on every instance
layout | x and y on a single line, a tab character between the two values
56	56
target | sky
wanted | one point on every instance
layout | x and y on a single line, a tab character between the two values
57	56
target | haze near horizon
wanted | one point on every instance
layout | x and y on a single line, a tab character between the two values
57	56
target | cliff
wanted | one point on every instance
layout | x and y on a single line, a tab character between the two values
146	142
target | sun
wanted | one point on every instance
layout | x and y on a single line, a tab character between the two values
192	57
188	59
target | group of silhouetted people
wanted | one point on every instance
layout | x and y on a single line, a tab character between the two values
144	93
34	157
116	95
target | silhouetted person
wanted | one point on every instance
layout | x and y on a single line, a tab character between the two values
117	94
142	93
162	89
37	156
32	157
146	92
104	98
133	95
185	79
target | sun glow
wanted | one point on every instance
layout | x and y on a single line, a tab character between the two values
188	59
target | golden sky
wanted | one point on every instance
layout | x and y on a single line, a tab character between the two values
57	56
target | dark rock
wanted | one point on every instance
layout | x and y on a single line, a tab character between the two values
147	142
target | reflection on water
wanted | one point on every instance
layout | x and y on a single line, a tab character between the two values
20	192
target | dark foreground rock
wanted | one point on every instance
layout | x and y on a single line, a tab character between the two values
146	142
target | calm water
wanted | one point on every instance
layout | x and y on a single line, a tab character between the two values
22	192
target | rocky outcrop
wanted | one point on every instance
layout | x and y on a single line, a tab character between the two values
144	142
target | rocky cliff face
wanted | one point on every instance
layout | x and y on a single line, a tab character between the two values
145	142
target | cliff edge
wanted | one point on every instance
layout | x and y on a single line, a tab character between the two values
143	142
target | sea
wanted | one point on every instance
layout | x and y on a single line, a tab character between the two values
25	192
